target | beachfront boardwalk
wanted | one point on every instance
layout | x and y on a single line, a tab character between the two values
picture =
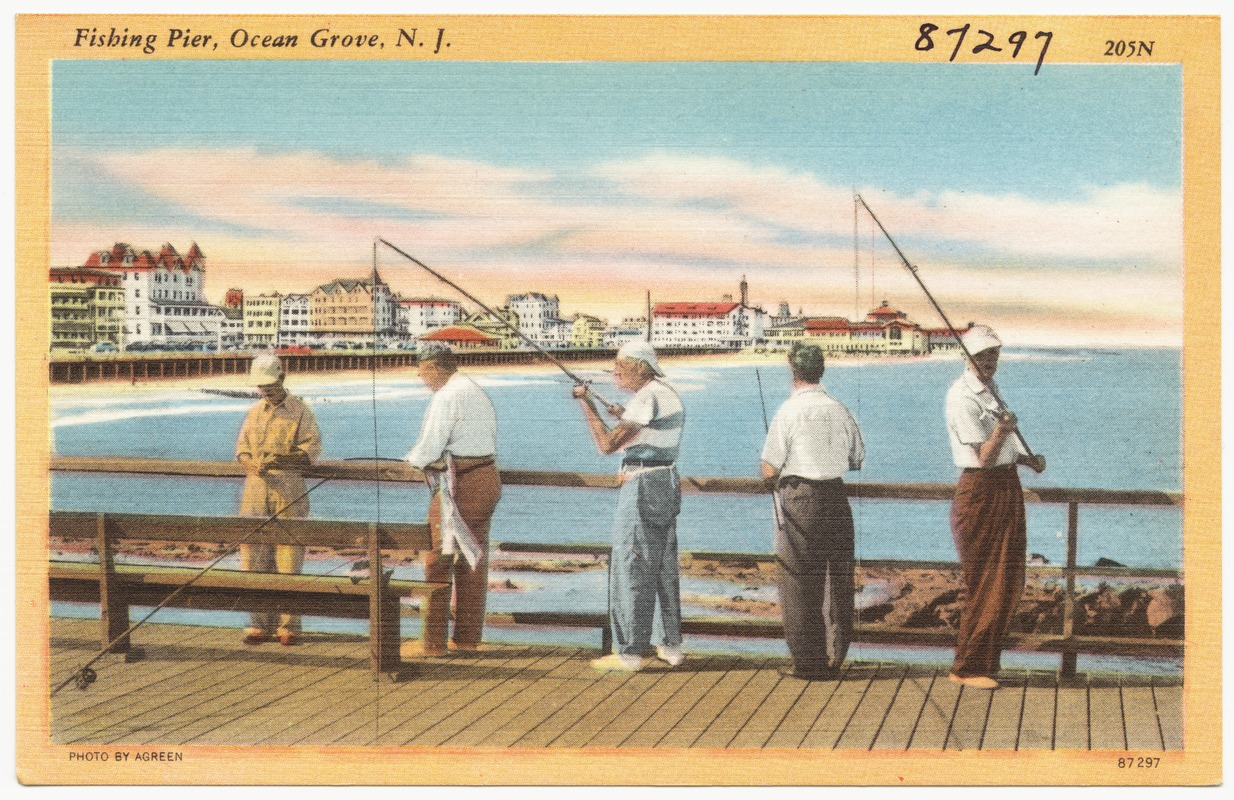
200	685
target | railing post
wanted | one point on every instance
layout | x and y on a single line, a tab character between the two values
113	605
383	613
1067	662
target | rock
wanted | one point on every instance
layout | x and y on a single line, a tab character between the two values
875	613
1037	558
1165	613
1107	562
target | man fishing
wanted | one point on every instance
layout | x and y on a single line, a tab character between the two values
643	568
278	440
811	442
987	514
456	450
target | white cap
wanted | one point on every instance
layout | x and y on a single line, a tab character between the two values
979	338
265	370
640	350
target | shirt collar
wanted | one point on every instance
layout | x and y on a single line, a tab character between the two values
813	387
974	383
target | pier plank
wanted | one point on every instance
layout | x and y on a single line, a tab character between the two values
740	707
199	685
1006	711
845	704
676	705
936	715
805	712
896	729
868	717
494	691
1071	724
622	727
736	674
607	714
408	710
1143	732
1169	701
967	727
1109	728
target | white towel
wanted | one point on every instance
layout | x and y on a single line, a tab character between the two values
456	537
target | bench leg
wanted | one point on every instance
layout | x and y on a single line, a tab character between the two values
113	605
384	635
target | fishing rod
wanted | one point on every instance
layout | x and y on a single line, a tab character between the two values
989	384
775	501
85	676
501	319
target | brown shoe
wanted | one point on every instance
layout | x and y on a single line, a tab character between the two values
256	637
975	681
414	648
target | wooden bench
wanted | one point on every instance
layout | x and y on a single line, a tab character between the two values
118	587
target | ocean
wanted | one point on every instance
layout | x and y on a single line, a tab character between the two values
1103	419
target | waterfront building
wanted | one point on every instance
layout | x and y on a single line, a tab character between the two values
884	331
87	307
588	331
349	312
630	329
729	324
462	337
234	298
231	328
164	295
941	340
783	335
420	315
261	319
503	332
539	319
293	322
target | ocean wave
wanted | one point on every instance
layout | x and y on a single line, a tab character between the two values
101	416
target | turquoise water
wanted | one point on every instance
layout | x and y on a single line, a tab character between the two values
1104	419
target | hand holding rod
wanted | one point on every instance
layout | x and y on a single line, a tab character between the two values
496	316
950	328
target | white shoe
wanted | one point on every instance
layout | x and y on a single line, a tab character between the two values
670	655
618	662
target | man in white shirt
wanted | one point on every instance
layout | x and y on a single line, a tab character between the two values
457	451
812	441
987	514
643	567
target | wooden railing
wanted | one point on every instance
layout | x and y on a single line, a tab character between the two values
1068	644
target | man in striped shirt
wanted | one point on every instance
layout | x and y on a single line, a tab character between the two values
643	567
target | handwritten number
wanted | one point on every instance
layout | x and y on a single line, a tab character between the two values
1017	39
1046	46
988	44
924	42
963	32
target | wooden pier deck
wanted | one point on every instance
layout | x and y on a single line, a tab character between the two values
201	685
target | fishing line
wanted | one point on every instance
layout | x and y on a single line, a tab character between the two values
556	362
989	384
85	675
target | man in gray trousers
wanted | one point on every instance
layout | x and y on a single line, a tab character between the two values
812	441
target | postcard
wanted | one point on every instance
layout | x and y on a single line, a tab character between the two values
692	400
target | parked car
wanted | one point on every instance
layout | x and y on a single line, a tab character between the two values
104	347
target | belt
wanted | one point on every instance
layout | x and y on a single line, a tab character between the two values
463	464
826	481
639	462
969	470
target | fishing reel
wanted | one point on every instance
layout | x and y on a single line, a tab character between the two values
85	676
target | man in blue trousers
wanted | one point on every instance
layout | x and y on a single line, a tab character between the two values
643	567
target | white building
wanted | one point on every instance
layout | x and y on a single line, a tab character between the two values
420	315
294	326
539	319
164	295
262	313
726	325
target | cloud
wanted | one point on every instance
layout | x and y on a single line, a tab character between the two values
683	226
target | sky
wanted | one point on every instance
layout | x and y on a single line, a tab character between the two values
1048	206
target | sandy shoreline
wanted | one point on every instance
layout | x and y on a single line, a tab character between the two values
361	378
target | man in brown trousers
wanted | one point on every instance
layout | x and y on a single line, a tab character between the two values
987	514
456	450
